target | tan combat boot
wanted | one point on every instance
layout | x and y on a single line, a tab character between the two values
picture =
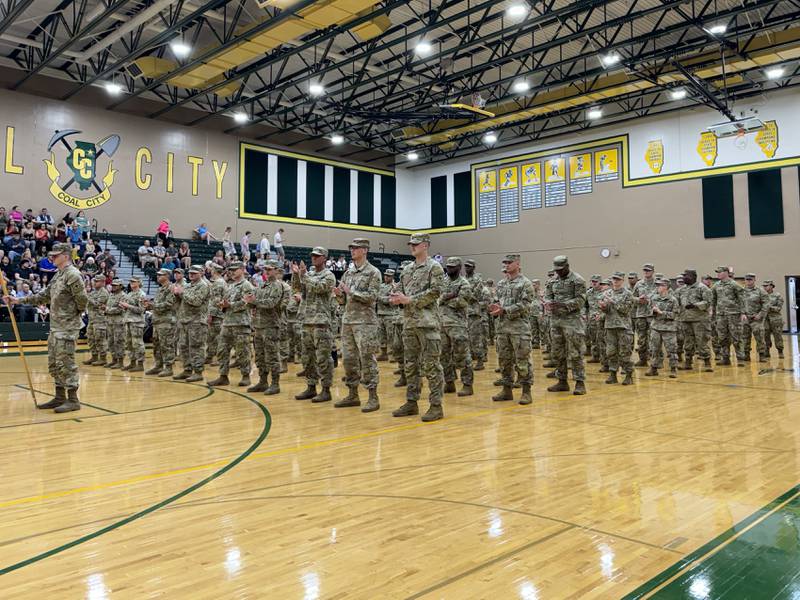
58	399
561	386
434	413
450	387
155	370
137	367
90	360
406	410
71	404
628	379
221	380
526	394
373	403
504	395
350	400
466	390
323	396
196	376
307	394
580	389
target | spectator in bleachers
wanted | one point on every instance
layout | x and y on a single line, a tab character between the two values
204	234
162	231
41	236
106	260
170	263
263	247
15	215
75	235
160	252
83	223
61	234
227	242
67	220
147	257
341	264
44	218
28	234
25	312
90	249
15	246
7	268
11	229
244	246
25	267
277	242
46	266
185	255
3	221
172	250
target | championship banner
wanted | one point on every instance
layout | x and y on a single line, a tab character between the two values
487	198
531	186
767	139
509	195
555	186
580	174
654	156
606	165
707	148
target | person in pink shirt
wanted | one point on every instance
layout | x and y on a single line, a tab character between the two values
162	232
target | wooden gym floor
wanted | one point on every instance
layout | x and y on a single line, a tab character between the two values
668	488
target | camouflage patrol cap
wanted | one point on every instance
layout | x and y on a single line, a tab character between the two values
418	238
178	270
511	258
560	261
750	276
61	248
535	281
359	243
319	251
721	269
273	264
662	281
618	275
707	276
99	277
606	281
768	282
648	267
659	276
164	272
216	267
236	264
631	274
453	261
389	272
117	282
197	269
551	273
134	278
469	263
595	278
490	282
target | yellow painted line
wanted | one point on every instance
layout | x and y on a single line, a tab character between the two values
713	551
269	454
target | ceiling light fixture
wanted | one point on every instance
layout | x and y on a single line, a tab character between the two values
610	59
412	156
113	88
678	94
423	48
490	137
517	10
594	113
337	139
315	88
521	86
775	73
240	117
180	49
717	29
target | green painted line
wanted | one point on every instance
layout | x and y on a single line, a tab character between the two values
763	562
143	513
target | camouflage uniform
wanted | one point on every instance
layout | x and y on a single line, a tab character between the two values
163	314
643	313
286	327
422	342
133	317
712	320
619	328
756	308
728	300
595	329
513	328
293	328
360	337
535	317
663	330
193	318
453	305
600	320
386	314
317	289
566	325
235	333
67	299
268	322
693	321
773	326
398	351
115	324
475	312
215	316
96	330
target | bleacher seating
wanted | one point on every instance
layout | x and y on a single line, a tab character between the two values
202	252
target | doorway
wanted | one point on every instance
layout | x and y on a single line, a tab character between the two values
792	302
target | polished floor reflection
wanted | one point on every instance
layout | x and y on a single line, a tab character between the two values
160	488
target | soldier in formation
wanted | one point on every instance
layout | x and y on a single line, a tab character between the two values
163	317
475	320
235	333
537	307
193	323
96	333
397	336
67	299
512	310
133	306
115	325
316	287
694	301
663	329
618	304
727	301
773	326
268	319
755	309
453	304
216	293
642	290
594	330
565	298
418	294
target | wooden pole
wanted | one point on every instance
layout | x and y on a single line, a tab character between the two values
19	339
